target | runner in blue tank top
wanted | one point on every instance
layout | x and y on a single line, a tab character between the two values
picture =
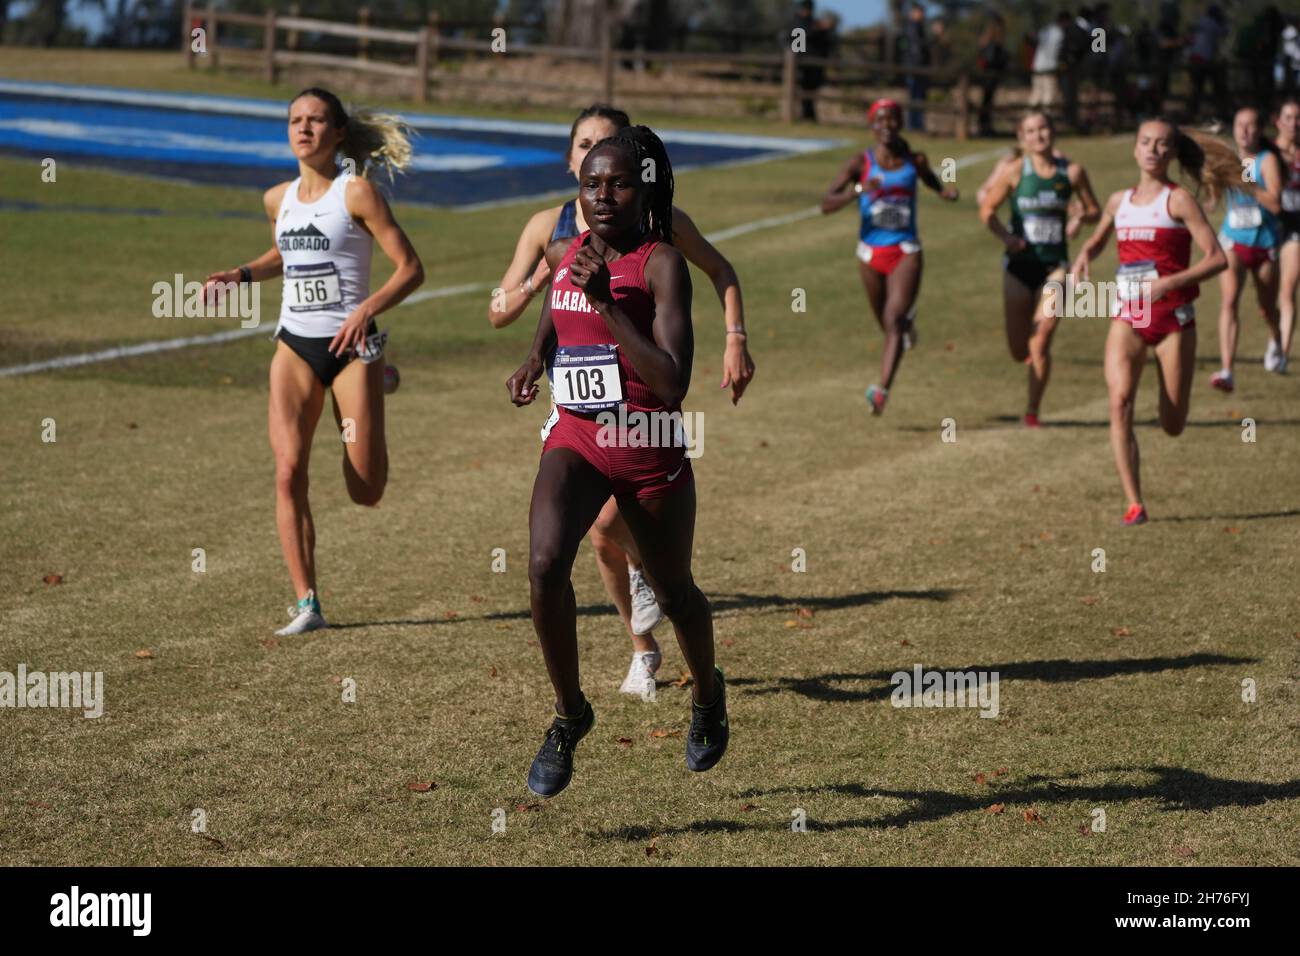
1249	236
883	182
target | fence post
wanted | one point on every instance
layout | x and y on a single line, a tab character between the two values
963	106
212	37
607	51
363	20
787	85
268	46
422	66
435	31
187	41
291	41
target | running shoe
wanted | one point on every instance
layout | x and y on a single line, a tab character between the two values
1222	380
876	397
1031	421
392	379
305	616
707	739
645	609
1281	365
552	768
1271	355
641	672
1136	514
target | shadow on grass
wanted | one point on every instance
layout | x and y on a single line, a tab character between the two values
822	686
1145	423
720	602
1257	516
1176	788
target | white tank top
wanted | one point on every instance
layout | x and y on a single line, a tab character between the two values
326	261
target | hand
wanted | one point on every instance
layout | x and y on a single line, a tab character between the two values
212	285
949	194
541	275
872	184
1080	267
737	367
1015	243
1072	227
591	275
1159	289
352	334
522	386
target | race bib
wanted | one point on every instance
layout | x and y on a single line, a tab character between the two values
1244	217
585	378
1291	200
891	214
313	287
1132	280
1044	230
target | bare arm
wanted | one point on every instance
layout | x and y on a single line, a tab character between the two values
994	196
840	193
266	266
1089	208
737	365
512	295
1097	241
927	177
1270	196
1213	260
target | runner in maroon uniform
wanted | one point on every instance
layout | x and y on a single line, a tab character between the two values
1157	222
615	338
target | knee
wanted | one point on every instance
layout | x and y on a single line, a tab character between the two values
290	477
548	572
1173	422
1019	352
677	599
367	494
1121	404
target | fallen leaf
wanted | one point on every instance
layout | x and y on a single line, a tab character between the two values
217	844
477	599
227	380
336	679
1046	536
661	734
791	623
762	444
1085	829
936	541
1089	601
1035	488
532	644
1001	771
421	786
1031	816
652	850
1232	529
53	578
132	425
746	807
503	627
1184	851
38	805
1121	632
452	615
1026	545
525	807
996	808
949	346
803	612
727	642
492	672
904	643
144	654
683	680
980	778
625	741
270	643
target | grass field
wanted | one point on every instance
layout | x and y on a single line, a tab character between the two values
1119	690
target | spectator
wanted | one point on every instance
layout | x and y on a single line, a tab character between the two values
992	63
1074	54
811	76
1204	62
1291	57
1260	53
1047	63
940	49
916	53
1169	44
1146	53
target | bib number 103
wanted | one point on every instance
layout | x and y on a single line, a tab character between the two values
586	378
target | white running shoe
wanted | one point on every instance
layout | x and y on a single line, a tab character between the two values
643	668
645	609
1272	355
306	617
911	335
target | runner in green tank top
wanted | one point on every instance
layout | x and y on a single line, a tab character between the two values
1040	188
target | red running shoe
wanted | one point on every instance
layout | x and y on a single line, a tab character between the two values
1136	514
1031	421
1222	381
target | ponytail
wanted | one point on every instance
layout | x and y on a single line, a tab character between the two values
370	140
1207	162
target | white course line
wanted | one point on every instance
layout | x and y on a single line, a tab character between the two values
168	345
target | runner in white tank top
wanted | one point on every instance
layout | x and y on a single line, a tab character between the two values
1157	223
325	225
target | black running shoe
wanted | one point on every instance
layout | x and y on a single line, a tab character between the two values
706	741
552	769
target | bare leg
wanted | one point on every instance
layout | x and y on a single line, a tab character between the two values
613	560
297	397
1230	284
1175	365
1125	356
1289	269
901	287
359	398
1040	346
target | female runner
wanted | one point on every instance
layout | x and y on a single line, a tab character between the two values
616	555
1249	235
1157	222
618	322
1288	144
883	182
325	224
1040	187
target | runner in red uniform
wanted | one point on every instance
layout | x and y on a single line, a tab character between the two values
615	338
1157	223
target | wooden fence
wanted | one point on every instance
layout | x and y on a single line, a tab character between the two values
424	54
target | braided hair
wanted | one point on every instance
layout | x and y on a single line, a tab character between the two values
657	173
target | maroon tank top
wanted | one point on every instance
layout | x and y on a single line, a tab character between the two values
578	324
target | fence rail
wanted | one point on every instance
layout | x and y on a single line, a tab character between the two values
429	43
